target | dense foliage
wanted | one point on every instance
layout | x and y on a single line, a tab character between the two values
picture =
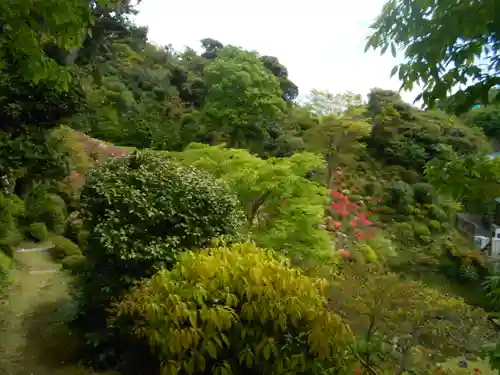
283	206
405	322
141	212
405	136
447	44
236	310
131	160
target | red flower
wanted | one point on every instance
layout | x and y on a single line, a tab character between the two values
354	223
344	253
336	194
337	224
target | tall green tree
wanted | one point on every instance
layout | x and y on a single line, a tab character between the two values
284	209
324	103
243	100
447	44
339	139
472	179
42	37
405	136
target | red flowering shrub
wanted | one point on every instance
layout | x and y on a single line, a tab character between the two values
348	217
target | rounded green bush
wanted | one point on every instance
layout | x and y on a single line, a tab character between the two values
401	197
74	263
50	209
222	310
62	248
409	176
421	230
438	214
405	232
143	210
434	225
424	193
39	232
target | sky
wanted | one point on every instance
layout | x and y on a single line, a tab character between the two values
321	42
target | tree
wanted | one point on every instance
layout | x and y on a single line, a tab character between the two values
487	119
290	89
396	319
283	207
447	44
243	100
42	38
235	310
324	103
405	136
339	139
472	179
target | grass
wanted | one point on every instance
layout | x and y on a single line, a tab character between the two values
34	339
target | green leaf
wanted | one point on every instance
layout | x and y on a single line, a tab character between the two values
393	50
394	71
211	349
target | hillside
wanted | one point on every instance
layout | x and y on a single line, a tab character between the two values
196	218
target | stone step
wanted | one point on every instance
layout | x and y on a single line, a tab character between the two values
35	249
36	272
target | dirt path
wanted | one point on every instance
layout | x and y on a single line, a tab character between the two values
33	337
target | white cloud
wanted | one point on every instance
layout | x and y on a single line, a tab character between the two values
321	42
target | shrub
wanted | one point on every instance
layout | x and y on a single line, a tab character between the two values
421	230
381	245
82	238
401	197
409	176
62	248
424	193
43	207
437	213
368	253
74	226
39	231
11	209
74	263
372	189
5	264
404	232
434	225
224	309
144	210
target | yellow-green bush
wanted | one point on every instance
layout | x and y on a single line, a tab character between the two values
62	248
39	231
231	308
